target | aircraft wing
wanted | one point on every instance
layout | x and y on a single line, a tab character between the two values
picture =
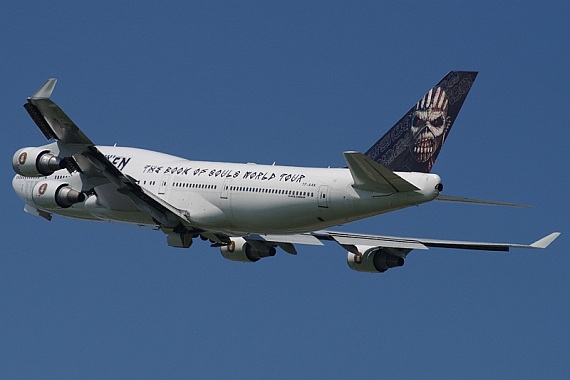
402	246
80	154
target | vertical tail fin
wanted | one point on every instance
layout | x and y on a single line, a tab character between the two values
414	142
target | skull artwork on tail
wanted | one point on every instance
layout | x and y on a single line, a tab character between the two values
430	125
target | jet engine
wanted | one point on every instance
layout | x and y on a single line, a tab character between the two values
374	259
35	162
246	252
52	194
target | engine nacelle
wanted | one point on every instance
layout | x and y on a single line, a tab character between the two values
35	162
241	250
373	259
52	194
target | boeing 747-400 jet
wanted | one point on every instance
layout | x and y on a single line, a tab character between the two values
249	210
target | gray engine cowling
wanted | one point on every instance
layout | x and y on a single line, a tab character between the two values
373	259
35	162
51	194
243	251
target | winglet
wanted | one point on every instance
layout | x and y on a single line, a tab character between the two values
545	241
45	91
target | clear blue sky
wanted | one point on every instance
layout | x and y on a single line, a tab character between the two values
297	83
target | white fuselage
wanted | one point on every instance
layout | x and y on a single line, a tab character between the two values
233	198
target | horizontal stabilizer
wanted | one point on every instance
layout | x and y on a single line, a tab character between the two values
371	176
452	199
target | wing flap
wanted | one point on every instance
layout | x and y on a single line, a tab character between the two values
40	121
347	239
306	239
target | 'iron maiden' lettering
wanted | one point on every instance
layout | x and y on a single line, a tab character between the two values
119	161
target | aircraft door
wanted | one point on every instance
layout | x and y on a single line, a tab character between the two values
163	184
225	188
323	196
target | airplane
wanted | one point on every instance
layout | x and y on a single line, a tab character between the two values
249	210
